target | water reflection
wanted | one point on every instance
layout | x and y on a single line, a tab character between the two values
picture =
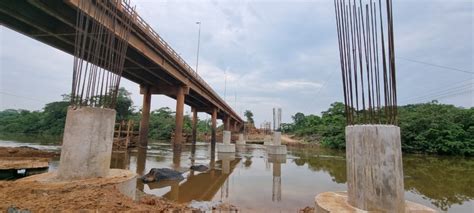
140	166
203	186
276	160
444	181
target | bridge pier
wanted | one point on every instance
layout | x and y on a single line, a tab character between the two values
226	121
178	132
213	128
145	120
194	125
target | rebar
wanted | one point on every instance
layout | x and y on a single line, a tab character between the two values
101	42
367	66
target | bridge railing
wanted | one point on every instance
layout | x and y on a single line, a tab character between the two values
140	22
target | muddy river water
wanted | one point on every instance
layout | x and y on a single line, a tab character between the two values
254	181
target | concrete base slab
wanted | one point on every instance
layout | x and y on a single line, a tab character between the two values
225	147
124	180
337	202
276	149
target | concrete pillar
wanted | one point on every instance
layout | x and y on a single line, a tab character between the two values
226	123
87	143
195	120
374	168
241	140
178	132
275	147
145	120
213	127
277	138
226	137
226	146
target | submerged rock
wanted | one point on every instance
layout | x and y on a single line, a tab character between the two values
199	168
162	174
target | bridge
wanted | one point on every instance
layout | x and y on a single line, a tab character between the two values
150	61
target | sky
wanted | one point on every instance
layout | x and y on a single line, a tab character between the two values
267	53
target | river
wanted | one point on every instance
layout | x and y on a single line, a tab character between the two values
253	181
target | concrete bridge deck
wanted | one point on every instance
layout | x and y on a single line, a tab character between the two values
150	61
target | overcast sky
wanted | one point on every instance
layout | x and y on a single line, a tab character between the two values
274	54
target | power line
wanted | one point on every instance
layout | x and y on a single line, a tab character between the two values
437	92
443	93
452	94
436	65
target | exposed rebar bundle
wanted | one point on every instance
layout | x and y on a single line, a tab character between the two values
367	56
102	32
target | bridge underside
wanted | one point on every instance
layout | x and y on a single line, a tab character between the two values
53	23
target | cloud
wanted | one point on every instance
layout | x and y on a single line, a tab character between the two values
298	84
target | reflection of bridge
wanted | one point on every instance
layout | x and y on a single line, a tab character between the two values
203	186
150	61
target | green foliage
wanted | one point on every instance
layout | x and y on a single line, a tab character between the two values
425	128
437	128
249	115
162	123
124	104
51	120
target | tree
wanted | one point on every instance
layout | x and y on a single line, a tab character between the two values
123	107
298	118
249	115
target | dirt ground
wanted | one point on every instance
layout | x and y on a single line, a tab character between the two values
25	151
38	197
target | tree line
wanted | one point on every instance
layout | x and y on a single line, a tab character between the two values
432	128
50	121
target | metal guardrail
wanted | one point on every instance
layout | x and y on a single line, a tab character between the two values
143	25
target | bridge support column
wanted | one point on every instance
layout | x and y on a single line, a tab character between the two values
195	120
178	133
145	120
213	127
235	126
226	123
